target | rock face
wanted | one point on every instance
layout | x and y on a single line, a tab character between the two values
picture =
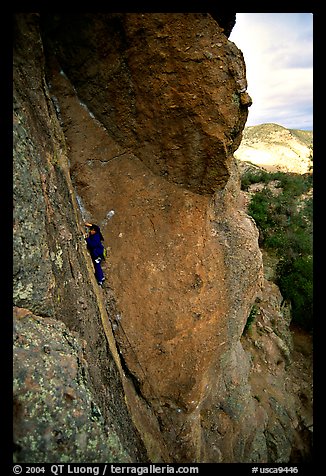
280	377
140	114
273	147
53	279
60	420
166	86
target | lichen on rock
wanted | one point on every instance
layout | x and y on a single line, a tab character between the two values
55	416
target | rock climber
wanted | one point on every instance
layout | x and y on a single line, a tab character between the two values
94	244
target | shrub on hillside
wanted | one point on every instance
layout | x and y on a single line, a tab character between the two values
284	221
295	282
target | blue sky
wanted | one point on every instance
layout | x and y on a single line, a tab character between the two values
278	52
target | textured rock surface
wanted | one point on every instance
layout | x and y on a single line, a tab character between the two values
166	85
280	377
55	416
53	275
175	256
144	113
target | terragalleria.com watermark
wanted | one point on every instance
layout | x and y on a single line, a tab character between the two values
58	469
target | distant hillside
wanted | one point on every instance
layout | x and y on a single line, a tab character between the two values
274	147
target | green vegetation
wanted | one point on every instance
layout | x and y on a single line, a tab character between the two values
283	214
251	318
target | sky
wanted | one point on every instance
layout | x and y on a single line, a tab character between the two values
278	52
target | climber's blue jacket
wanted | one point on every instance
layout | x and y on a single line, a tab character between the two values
95	246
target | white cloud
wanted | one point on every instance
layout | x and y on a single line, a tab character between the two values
277	49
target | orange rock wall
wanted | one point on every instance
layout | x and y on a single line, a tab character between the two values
184	264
